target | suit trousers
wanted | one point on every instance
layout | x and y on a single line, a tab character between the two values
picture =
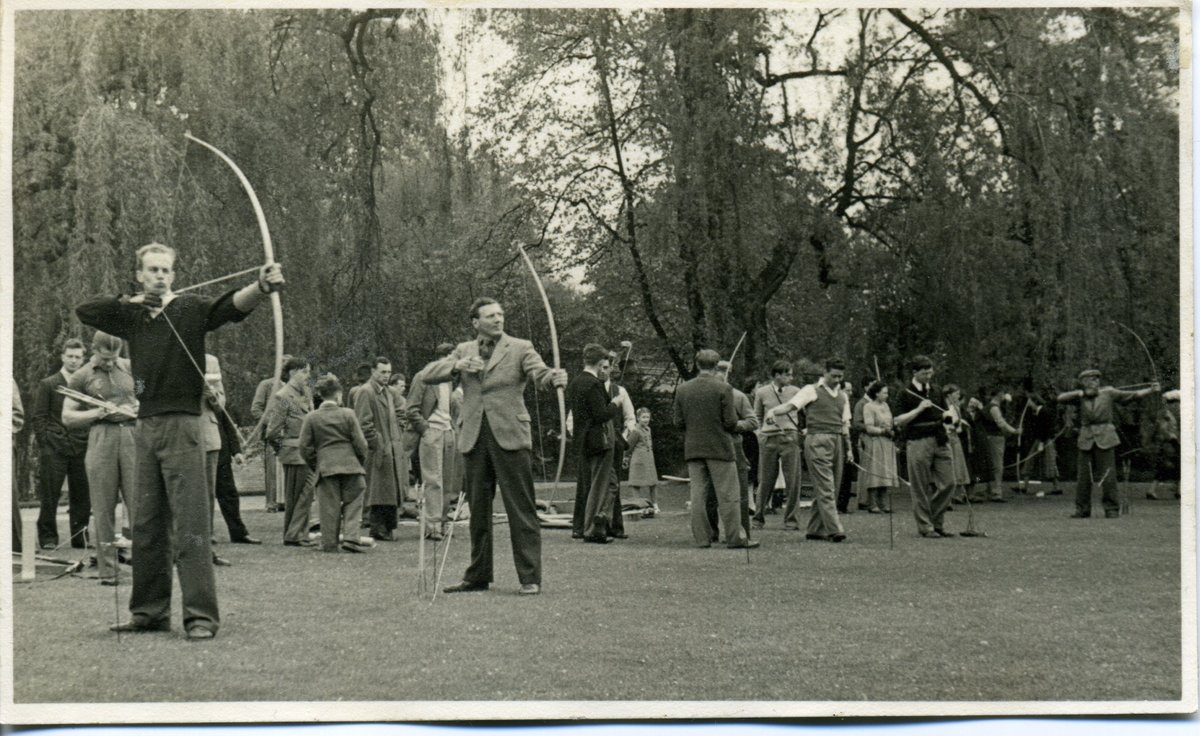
996	452
486	465
743	474
616	520
52	469
340	499
436	452
110	470
598	470
774	449
230	501
722	476
299	486
171	523
1097	466
271	485
931	479
826	458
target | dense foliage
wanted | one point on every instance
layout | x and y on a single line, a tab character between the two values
992	187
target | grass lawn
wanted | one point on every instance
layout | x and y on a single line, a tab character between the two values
1044	608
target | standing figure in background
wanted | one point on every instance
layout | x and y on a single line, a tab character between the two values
387	471
271	470
333	446
997	429
1040	461
878	475
979	454
778	442
18	422
621	424
62	455
288	407
1098	441
704	410
593	410
221	434
111	442
956	429
431	413
826	445
927	449
643	474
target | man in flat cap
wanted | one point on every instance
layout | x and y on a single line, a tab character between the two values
1098	441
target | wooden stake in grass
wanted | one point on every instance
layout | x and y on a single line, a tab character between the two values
421	587
437	582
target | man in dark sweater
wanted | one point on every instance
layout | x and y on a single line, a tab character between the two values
930	465
704	410
172	523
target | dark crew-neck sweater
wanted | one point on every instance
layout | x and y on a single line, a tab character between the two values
164	377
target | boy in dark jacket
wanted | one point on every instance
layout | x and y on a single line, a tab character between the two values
333	445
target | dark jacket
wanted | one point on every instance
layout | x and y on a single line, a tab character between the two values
46	419
332	441
704	410
593	413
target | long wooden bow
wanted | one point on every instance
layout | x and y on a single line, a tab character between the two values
269	254
1146	350
562	397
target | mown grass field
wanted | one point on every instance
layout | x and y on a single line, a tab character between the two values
1044	608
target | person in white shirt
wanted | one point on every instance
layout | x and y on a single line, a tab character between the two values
826	445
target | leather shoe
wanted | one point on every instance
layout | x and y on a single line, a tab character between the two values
931	535
837	537
299	543
196	633
576	535
816	537
621	535
599	539
435	536
246	540
944	533
751	544
221	562
465	587
1081	515
529	589
134	625
352	547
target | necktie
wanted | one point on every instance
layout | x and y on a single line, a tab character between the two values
485	348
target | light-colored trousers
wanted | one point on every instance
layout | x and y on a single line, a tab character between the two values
931	475
826	458
109	462
996	451
440	470
340	500
723	476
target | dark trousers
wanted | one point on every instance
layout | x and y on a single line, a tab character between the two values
172	523
616	520
486	465
1097	466
53	468
598	470
299	485
230	502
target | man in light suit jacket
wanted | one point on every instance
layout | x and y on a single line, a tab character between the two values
704	410
495	437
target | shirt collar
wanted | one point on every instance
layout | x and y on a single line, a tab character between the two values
588	369
920	388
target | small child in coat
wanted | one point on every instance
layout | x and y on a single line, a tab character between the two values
642	472
333	445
